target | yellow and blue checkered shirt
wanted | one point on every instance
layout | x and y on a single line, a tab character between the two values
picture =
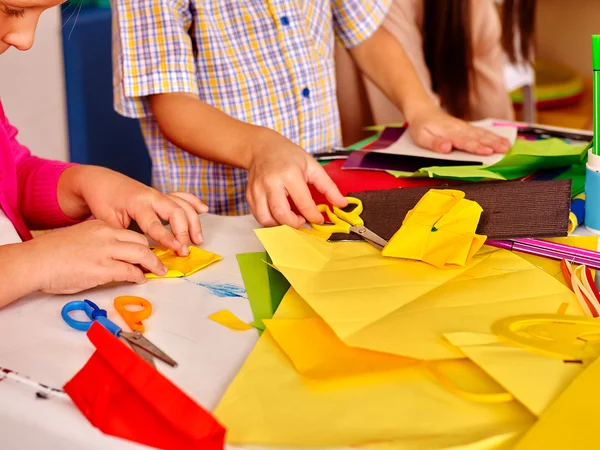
265	62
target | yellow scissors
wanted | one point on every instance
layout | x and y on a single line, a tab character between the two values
349	222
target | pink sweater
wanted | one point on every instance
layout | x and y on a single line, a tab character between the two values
28	185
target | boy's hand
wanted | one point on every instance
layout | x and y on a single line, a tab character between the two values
279	170
117	199
90	254
436	130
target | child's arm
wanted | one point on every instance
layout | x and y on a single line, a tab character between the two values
277	167
53	194
382	58
81	257
19	277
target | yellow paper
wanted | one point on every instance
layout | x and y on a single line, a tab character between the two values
229	320
316	352
404	307
183	266
270	403
440	230
500	442
534	380
571	422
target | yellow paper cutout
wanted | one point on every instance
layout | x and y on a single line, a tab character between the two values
571	421
269	403
183	266
439	230
403	307
229	320
534	380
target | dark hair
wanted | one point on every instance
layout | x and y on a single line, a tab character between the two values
448	46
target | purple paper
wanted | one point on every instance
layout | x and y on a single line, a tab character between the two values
361	160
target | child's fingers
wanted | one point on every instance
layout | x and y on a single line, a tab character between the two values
138	254
260	208
435	143
195	227
327	187
470	144
150	224
280	208
302	198
198	205
171	211
124	272
122	235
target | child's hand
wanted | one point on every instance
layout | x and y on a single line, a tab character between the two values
90	254
440	132
281	170
117	199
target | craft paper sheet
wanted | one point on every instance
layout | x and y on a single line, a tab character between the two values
407	147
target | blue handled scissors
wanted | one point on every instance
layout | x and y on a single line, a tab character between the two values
136	340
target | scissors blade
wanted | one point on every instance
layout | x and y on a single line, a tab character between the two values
147	356
137	339
369	236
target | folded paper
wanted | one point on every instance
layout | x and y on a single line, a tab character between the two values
124	396
439	230
270	403
183	266
403	307
571	421
229	320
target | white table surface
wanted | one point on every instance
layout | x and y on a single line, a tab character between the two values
35	341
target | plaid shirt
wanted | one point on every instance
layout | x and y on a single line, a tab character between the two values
265	62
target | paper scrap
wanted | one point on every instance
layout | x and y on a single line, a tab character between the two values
439	230
265	286
183	266
229	320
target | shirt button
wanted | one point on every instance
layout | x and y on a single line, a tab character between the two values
285	21
306	92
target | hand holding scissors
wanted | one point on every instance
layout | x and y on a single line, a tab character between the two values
349	222
139	344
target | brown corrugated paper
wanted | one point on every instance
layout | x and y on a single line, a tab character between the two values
511	209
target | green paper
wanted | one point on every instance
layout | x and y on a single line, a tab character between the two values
524	158
576	174
265	286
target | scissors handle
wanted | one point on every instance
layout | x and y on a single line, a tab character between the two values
342	221
93	312
351	217
133	318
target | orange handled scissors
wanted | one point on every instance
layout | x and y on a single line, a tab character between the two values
133	318
349	222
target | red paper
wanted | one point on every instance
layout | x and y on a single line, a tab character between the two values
124	396
367	180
